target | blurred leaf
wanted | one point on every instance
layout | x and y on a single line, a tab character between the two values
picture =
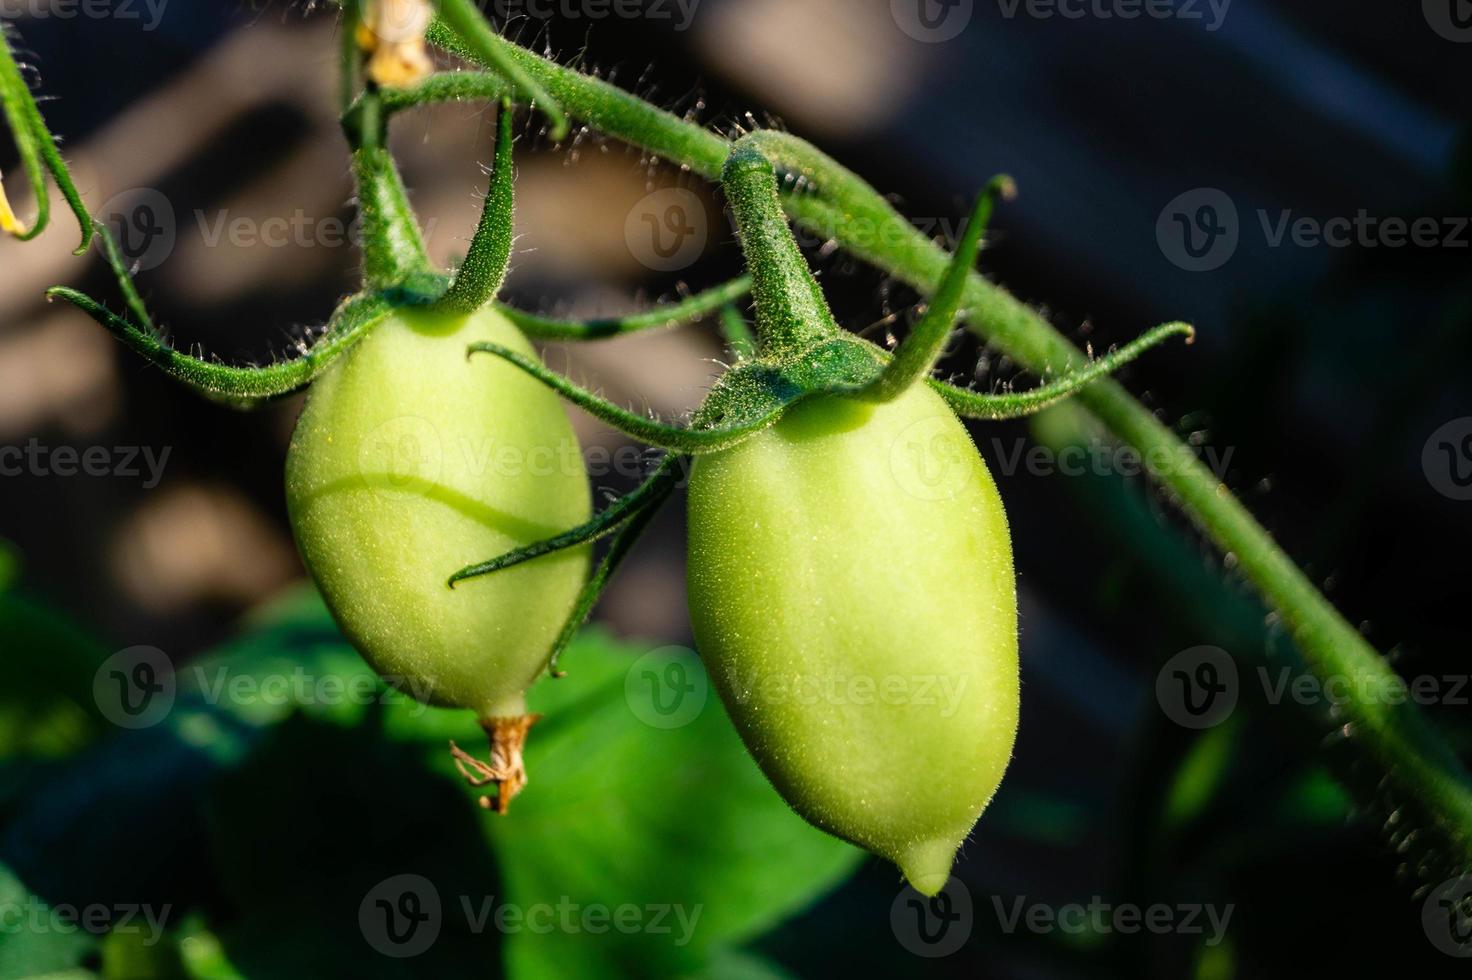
31	944
287	784
738	965
46	705
9	565
678	823
1201	774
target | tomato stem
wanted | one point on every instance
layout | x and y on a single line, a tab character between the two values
38	153
1417	765
479	277
506	768
792	314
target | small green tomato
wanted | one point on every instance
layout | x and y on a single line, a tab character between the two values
852	593
411	461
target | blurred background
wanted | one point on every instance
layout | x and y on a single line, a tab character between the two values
1294	179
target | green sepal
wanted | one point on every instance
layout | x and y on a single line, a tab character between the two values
37	150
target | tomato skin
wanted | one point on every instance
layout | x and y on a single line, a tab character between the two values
411	461
853	597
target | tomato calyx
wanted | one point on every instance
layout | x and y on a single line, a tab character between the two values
506	769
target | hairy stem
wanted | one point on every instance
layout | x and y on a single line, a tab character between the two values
1410	754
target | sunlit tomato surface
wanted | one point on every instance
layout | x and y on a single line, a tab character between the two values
852	592
411	461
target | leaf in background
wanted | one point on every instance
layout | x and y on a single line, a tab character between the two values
30	943
9	565
286	790
46	705
677	822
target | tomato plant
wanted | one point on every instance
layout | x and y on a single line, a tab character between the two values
409	459
842	523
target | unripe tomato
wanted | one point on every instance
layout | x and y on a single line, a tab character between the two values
852	593
411	461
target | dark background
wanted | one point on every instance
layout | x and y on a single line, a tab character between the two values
1323	370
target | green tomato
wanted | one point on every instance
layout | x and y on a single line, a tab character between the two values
411	461
852	593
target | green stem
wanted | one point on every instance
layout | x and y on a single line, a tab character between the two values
671	438
669	315
1412	757
792	313
37	150
447	86
921	351
233	384
479	277
473	31
393	250
599	526
1019	404
737	332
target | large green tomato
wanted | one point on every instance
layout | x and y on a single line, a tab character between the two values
853	597
411	461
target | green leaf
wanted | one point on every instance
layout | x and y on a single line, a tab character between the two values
9	565
288	814
46	708
31	944
677	822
